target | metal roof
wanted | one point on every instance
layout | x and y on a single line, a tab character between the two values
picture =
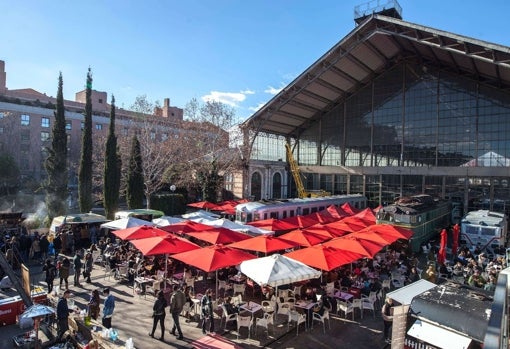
374	46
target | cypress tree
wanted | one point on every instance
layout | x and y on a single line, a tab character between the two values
135	181
112	168
85	173
56	162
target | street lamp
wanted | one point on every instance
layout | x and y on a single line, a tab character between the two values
172	188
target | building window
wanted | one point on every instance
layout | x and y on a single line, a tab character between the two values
100	100
2	114
45	136
25	137
25	120
125	131
153	135
99	126
68	125
164	137
229	181
45	122
82	125
1	130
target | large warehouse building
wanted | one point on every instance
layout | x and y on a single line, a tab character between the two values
394	108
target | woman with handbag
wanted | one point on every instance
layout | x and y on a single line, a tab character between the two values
158	315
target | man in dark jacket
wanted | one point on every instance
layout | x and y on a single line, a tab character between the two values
63	312
177	301
207	310
77	264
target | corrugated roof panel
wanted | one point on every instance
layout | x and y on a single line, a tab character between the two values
321	90
385	44
354	69
337	80
370	58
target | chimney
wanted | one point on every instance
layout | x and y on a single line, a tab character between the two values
166	107
3	77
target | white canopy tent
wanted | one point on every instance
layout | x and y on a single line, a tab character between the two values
404	295
277	270
166	220
200	214
225	223
124	223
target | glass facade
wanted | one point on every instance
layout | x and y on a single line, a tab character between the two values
411	116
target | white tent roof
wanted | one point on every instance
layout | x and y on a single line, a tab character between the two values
437	336
276	270
200	214
404	295
166	220
490	159
124	223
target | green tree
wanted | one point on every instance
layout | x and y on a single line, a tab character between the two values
112	167
135	180
56	162
85	172
9	173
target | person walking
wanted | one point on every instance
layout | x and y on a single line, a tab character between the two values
63	271
57	244
387	315
177	301
108	308
94	305
50	271
44	244
158	315
63	312
77	264
88	267
207	310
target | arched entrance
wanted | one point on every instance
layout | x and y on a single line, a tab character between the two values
256	186
277	185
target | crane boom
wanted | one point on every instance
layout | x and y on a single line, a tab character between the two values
296	174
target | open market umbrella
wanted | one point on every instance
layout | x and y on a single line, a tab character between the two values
124	223
301	221
213	258
272	224
391	230
304	238
36	312
264	243
441	255
166	220
277	270
324	257
335	212
203	205
326	231
364	247
366	215
186	227
369	235
140	232
455	239
166	245
219	236
349	209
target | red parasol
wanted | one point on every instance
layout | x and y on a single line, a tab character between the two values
346	226
367	216
213	257
264	243
140	232
334	212
164	245
272	224
205	205
186	227
441	255
349	209
324	257
219	236
329	231
304	238
391	230
455	238
356	222
353	244
301	221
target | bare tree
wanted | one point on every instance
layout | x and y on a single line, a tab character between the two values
159	142
210	150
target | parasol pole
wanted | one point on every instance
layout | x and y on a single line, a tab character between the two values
166	271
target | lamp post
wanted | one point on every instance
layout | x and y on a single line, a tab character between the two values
172	188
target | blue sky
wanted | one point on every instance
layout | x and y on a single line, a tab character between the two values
238	52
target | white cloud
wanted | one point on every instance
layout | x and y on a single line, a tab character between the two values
273	90
248	92
230	98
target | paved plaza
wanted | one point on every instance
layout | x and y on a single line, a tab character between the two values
133	319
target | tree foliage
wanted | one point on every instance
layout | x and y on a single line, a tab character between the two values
112	168
211	151
55	163
158	145
85	171
135	180
9	173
